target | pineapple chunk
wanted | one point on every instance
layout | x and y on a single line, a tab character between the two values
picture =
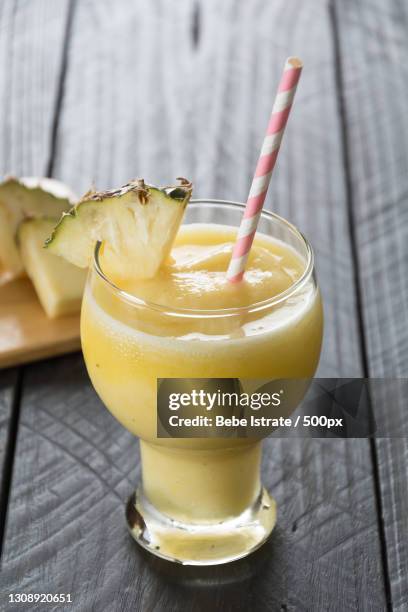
11	265
21	198
59	284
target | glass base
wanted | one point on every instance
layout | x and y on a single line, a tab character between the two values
200	544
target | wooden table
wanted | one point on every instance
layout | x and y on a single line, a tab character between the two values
102	91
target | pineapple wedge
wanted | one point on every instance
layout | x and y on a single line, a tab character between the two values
59	284
21	198
11	265
136	223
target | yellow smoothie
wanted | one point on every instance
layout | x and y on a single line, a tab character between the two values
189	321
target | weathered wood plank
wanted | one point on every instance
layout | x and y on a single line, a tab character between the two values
31	42
128	96
241	59
66	533
8	385
31	45
238	84
374	46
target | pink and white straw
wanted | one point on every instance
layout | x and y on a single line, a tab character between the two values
269	153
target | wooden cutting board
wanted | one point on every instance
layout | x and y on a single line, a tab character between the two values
26	333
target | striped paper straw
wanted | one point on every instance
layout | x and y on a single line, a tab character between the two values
264	168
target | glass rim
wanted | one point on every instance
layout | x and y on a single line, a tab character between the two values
219	312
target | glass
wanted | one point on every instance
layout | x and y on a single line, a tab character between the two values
200	501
